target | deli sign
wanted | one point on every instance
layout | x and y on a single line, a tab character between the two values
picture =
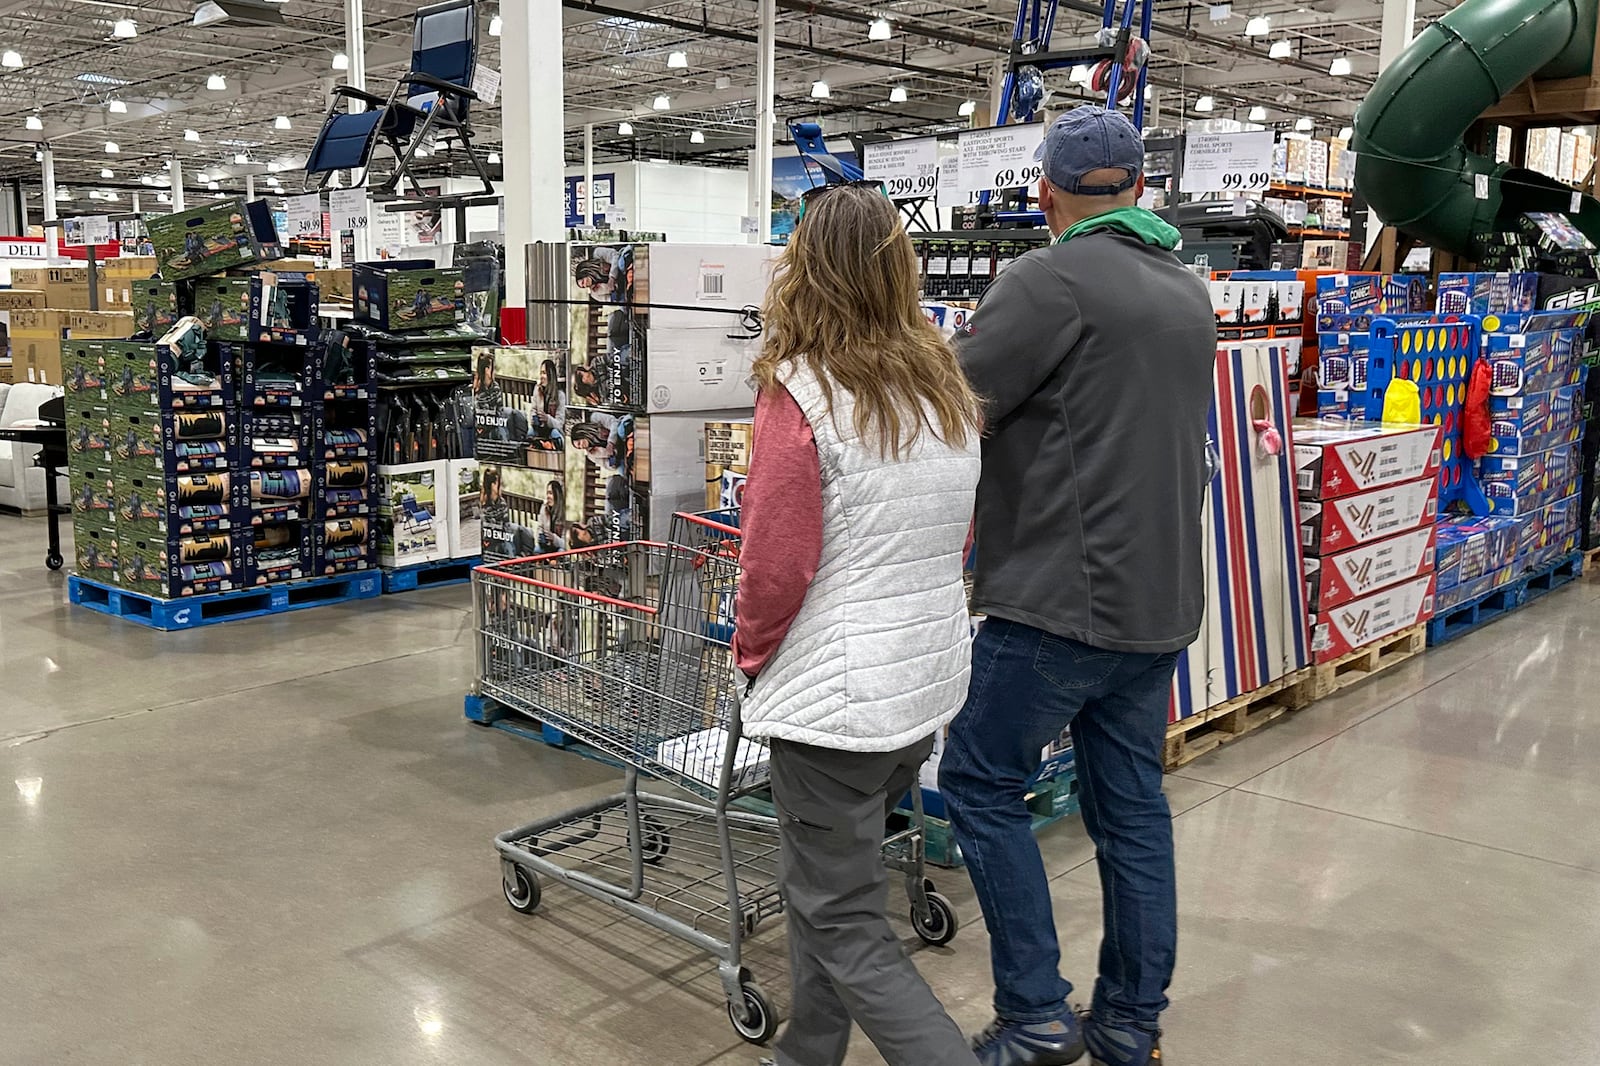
23	248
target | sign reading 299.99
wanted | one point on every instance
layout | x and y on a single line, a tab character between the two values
908	168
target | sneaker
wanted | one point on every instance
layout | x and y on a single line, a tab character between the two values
1008	1043
1121	1047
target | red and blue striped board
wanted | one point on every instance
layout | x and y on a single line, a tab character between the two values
1255	619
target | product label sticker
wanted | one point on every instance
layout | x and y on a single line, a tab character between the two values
710	286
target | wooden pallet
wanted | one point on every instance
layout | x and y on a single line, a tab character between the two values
1356	666
1191	737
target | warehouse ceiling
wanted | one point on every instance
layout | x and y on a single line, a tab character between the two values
87	86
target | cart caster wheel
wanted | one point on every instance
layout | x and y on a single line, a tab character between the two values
657	841
761	1021
942	924
54	560
522	891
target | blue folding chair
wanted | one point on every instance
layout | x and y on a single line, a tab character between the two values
430	100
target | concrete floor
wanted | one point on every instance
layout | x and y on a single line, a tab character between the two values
269	842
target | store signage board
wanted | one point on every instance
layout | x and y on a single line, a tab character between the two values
1228	162
388	234
908	168
349	209
1000	157
304	214
486	83
24	248
950	178
96	229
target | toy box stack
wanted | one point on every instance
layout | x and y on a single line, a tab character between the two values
1264	305
595	432
1346	306
1534	467
1368	498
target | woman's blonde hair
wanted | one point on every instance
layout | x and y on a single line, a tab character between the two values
844	297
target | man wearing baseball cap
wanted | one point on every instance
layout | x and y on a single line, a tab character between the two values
1094	358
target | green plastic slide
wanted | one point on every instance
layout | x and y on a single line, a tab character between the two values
1411	164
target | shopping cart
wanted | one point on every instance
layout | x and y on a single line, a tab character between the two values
625	647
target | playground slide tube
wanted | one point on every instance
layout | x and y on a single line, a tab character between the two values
1411	164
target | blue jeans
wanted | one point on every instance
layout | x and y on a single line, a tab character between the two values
1028	686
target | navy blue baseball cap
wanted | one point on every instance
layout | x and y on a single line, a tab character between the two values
1087	139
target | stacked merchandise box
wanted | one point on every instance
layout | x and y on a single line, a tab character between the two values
1346	307
727	450
410	349
1475	557
1368	500
1535	464
1254	628
1264	304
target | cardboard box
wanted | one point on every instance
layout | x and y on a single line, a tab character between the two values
191	374
36	359
1331	526
157	306
195	565
89	436
271	497
1334	459
277	552
463	508
1378	294
109	325
1469	547
1344	576
13	299
408	294
83	374
275	376
175	442
129	267
727	451
223	306
525	512
275	438
1327	255
65	288
205	240
1483	293
96	549
344	545
1364	621
520	396
1445	600
337	285
607	477
343	430
412	525
341	368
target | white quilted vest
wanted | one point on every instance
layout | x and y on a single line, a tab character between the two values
879	655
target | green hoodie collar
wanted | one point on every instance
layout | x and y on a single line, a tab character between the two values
1134	221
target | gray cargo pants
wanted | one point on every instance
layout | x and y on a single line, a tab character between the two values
846	961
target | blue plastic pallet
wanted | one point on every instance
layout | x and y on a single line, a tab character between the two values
488	711
1474	614
428	575
193	611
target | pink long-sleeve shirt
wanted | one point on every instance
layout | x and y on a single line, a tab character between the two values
782	526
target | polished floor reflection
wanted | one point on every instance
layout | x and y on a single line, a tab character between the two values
269	842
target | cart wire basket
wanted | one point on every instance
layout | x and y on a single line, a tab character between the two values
626	648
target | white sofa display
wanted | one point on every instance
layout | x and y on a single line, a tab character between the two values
22	484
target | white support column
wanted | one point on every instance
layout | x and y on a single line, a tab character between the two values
355	47
177	184
532	131
47	168
249	187
760	198
1399	26
588	174
134	205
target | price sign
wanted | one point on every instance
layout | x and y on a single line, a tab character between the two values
1227	162
486	83
999	158
949	180
96	229
349	209
304	214
908	168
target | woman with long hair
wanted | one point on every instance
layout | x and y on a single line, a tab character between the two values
551	401
853	637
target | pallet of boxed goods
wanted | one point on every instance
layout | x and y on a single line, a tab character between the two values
1189	738
208	609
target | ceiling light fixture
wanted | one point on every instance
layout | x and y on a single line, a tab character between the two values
967	109
116	107
724	82
1281	49
1259	26
897	95
661	103
420	153
879	30
10	58
1205	103
1339	67
163	198
35	122
282	123
820	90
240	159
106	173
146	179
625	129
216	83
202	177
1258	114
63	196
677	60
124	29
1304	124
697	137
191	135
111	148
496	25
341	61
273	166
109	195
212	186
1346	133
240	13
494	159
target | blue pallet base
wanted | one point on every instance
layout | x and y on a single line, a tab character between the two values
1473	615
428	575
488	711
193	611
